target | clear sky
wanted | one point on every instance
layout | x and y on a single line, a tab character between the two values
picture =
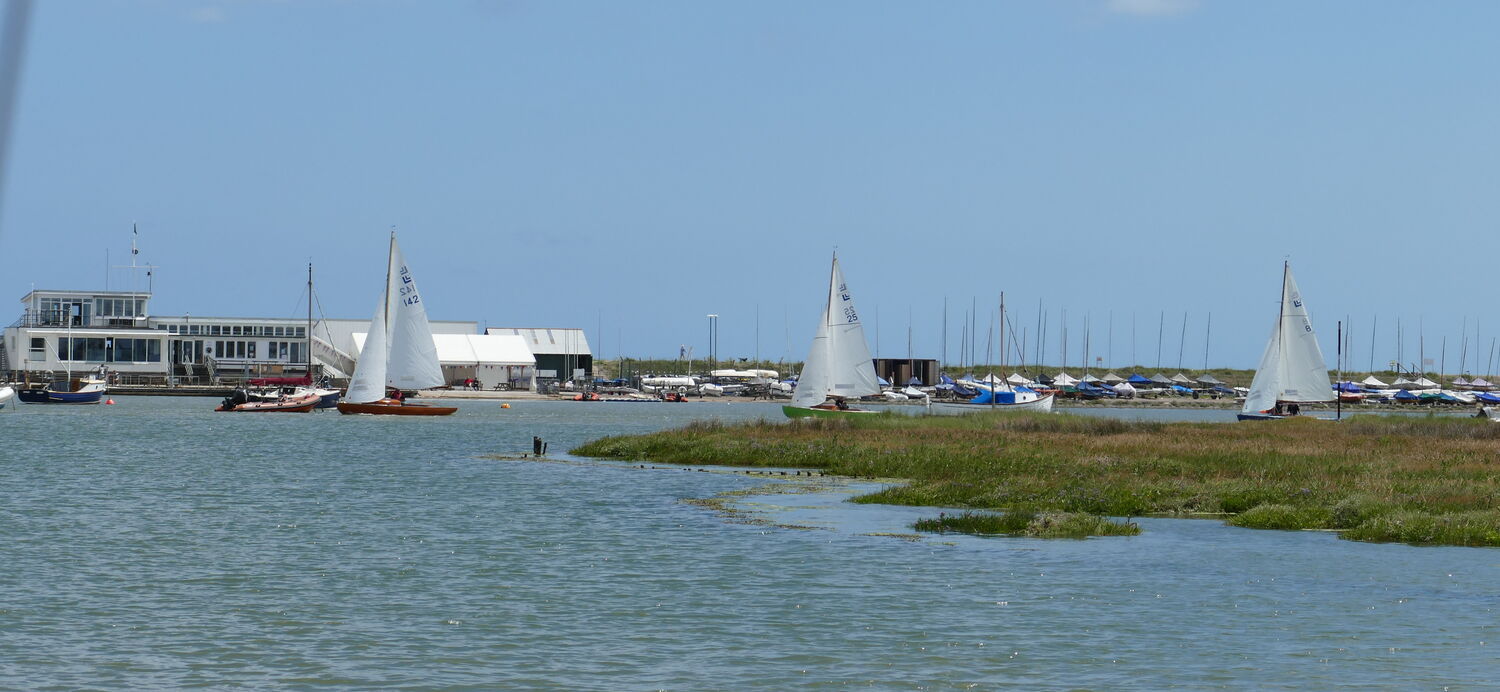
630	167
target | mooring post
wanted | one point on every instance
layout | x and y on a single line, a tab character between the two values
536	444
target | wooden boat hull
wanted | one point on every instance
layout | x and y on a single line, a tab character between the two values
43	395
804	412
391	407
1042	404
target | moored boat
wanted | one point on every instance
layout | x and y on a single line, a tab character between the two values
6	395
240	402
1020	399
83	390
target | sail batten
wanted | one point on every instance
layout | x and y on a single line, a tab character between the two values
1292	369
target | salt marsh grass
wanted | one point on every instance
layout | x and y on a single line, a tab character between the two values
1382	478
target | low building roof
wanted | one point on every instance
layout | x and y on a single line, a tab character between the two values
475	349
549	341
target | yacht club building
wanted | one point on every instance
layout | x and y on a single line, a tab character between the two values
79	331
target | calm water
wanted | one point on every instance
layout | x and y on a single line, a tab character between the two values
155	544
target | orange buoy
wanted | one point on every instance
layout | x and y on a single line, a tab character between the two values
504	405
109	402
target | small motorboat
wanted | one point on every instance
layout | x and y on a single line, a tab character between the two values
239	401
6	394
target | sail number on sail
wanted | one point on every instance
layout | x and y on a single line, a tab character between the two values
408	291
850	316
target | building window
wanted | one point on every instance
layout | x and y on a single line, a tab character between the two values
38	346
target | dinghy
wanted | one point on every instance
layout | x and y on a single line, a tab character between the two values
1292	370
398	352
838	366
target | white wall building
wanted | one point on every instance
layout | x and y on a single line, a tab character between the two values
561	353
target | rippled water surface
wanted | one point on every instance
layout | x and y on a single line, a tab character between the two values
155	544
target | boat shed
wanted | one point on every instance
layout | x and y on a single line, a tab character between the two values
903	369
561	353
496	361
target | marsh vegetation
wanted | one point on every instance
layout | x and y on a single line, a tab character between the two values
1375	478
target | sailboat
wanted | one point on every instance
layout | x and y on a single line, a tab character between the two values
282	389
69	390
1292	370
997	393
398	352
838	366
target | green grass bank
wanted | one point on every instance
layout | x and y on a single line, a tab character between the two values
1376	478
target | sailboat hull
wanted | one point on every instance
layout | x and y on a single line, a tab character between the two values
1269	416
804	412
391	407
53	394
1042	404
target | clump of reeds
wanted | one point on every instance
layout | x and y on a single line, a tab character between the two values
1284	517
1026	523
1422	528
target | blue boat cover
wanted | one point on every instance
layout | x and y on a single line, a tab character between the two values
945	379
1135	378
1404	395
1000	398
1487	397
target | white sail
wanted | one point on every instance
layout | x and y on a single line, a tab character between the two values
368	382
1292	367
399	350
839	362
413	360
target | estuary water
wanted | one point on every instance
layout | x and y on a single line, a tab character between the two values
155	544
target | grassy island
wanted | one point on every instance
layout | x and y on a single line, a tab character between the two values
1375	478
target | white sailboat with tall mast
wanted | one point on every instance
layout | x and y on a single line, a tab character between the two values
1292	370
398	352
838	366
998	393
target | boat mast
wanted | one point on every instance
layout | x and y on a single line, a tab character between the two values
828	327
309	324
1280	329
385	305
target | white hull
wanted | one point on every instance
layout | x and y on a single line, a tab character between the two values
1493	412
1042	404
6	394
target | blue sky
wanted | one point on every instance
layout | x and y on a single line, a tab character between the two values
629	168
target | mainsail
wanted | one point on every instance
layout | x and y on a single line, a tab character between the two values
399	350
839	363
1292	368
